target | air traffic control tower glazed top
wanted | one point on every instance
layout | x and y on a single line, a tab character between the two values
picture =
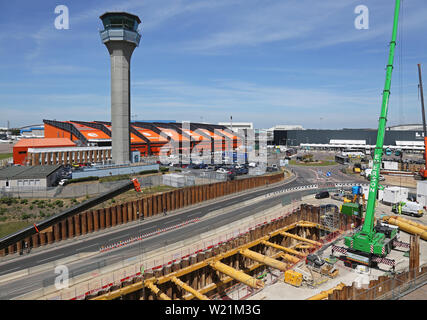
121	37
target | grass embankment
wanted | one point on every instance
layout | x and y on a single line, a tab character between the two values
16	213
11	227
5	155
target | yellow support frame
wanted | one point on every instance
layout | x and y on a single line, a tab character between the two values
186	287
213	260
276	264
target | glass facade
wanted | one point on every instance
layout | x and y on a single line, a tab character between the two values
120	21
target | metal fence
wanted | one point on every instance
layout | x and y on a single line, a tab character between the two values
92	189
5	162
398	287
106	171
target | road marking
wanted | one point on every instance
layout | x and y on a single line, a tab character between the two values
173	220
22	288
116	238
59	255
93	245
9	270
193	214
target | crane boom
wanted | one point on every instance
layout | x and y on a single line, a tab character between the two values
373	186
368	240
423	172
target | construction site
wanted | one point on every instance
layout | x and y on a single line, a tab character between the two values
260	225
284	253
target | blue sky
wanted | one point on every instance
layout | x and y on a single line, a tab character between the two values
267	62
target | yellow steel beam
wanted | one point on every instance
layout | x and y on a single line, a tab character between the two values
200	265
227	279
221	256
282	248
264	259
308	224
237	275
406	227
289	258
287	234
186	287
413	223
156	291
120	292
324	294
304	246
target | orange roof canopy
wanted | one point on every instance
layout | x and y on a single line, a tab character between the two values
45	143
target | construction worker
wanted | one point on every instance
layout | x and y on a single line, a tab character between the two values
399	208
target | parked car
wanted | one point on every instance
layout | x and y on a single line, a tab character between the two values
322	195
62	182
223	170
241	171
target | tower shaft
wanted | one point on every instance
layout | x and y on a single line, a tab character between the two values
120	56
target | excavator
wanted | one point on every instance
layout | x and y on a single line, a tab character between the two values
423	172
372	244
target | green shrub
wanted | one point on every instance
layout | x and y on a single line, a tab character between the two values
115	178
26	216
2	219
42	214
31	207
24	201
91	178
2	211
148	172
59	203
7	200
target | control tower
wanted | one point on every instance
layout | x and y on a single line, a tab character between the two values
121	37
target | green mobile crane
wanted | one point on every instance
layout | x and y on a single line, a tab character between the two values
372	243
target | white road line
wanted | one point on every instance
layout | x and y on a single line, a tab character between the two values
193	214
22	288
174	220
9	270
116	238
145	229
59	255
93	245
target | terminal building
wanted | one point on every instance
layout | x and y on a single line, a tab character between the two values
406	138
72	142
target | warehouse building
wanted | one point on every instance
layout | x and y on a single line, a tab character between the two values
30	176
21	148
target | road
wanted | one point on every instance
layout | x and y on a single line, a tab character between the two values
305	175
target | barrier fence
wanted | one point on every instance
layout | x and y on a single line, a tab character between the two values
387	287
144	207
